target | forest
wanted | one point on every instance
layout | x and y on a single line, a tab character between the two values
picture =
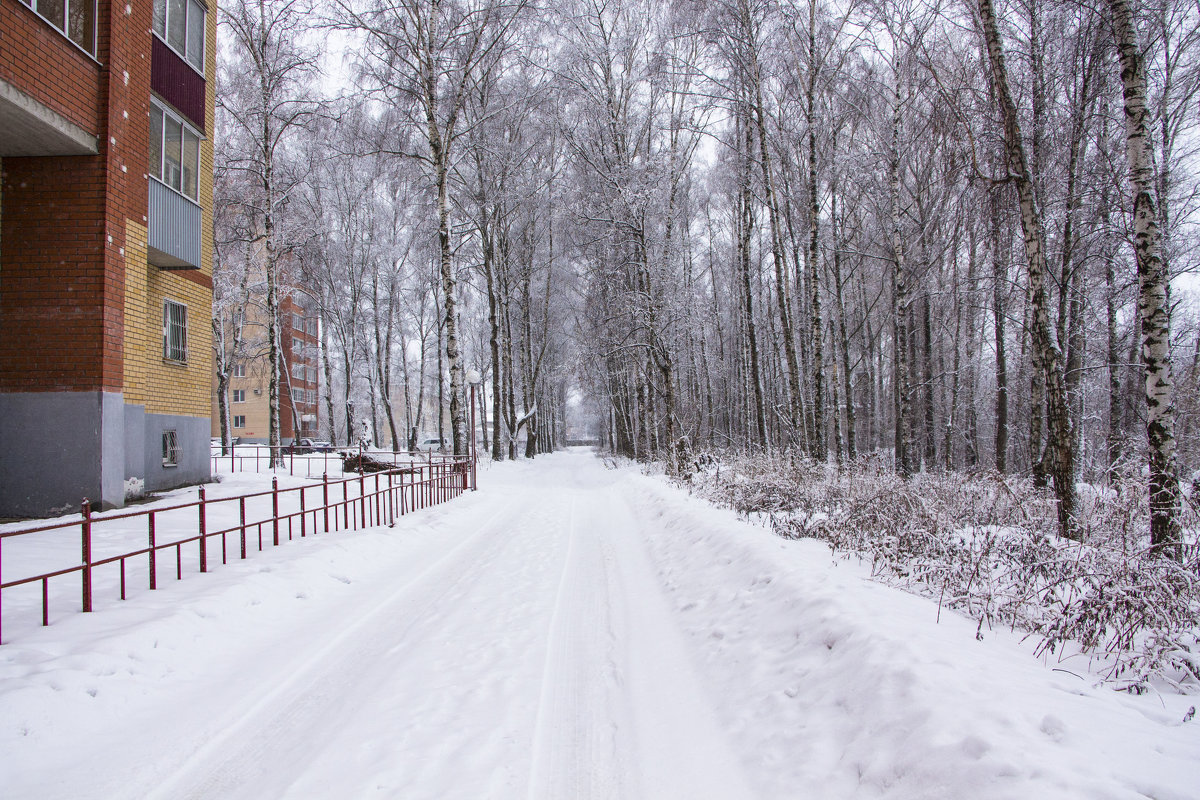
914	237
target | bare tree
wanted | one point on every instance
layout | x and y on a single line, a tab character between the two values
1165	535
264	96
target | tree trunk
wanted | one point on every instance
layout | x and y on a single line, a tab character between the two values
999	317
902	389
1060	438
1165	533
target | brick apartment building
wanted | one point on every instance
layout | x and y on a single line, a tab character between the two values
299	387
105	260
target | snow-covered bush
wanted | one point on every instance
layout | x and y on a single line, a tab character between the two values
987	546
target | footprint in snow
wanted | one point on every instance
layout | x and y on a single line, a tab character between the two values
1053	727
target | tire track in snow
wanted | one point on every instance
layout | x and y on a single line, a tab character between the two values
301	703
683	752
575	752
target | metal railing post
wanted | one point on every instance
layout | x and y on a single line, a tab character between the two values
302	522
153	555
325	498
86	533
203	536
275	510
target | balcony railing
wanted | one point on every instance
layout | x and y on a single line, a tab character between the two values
174	229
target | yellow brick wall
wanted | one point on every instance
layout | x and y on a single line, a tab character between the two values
165	387
138	329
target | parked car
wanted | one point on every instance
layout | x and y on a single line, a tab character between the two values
432	443
309	446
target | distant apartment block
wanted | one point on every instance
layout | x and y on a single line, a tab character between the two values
299	381
105	255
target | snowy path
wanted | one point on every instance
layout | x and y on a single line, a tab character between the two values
567	632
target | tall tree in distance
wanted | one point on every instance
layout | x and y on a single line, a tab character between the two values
422	57
264	92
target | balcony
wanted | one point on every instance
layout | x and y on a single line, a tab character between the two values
174	229
29	128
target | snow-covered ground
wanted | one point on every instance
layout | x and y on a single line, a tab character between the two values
568	631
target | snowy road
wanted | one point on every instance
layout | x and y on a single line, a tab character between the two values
569	631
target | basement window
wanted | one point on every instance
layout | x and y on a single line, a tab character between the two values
170	448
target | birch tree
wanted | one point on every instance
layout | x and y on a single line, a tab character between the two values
265	86
1165	534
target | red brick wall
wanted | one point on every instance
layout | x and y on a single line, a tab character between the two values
52	261
45	65
62	227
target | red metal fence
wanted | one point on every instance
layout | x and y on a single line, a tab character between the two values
306	463
361	501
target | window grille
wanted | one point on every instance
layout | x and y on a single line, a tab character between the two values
170	449
174	331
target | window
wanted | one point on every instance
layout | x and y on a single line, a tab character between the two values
298	323
311	374
239	395
239	421
156	141
76	19
298	371
174	331
180	23
297	395
174	152
170	449
312	326
239	370
298	347
311	396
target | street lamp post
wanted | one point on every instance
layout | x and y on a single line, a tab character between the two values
473	378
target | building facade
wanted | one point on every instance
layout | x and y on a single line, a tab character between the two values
299	380
105	249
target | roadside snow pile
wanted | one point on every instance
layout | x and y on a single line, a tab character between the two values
986	546
835	685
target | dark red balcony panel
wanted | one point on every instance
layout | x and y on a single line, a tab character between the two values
174	81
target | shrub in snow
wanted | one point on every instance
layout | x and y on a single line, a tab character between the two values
986	545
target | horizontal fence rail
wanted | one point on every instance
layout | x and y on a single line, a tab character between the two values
308	462
223	524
